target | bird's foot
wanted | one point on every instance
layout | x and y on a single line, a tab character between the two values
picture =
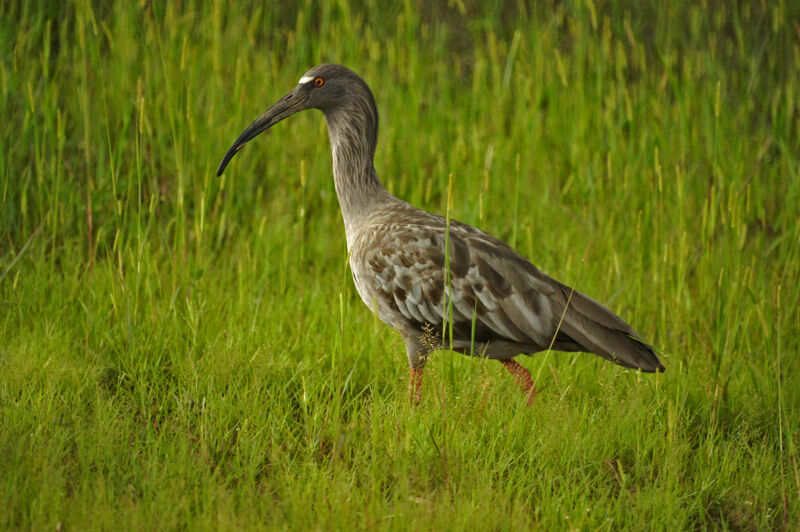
523	378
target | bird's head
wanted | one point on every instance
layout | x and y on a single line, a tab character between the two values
324	87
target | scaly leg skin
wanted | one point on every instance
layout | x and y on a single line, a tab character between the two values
417	352
415	386
523	378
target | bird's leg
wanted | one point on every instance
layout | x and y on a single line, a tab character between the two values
417	357
523	378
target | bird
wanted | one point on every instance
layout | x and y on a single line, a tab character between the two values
441	283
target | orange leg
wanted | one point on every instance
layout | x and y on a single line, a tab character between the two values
415	386
523	378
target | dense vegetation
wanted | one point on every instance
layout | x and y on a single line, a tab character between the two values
178	350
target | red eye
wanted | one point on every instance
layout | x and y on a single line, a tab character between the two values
318	82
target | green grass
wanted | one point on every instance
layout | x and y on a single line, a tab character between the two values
182	351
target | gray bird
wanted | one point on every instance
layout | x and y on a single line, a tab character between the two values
442	283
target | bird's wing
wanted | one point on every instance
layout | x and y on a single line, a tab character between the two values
556	314
493	294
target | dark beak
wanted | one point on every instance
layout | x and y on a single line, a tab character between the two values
286	106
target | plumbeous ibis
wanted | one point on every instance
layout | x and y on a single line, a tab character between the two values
425	275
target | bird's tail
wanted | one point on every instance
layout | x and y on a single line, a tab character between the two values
589	326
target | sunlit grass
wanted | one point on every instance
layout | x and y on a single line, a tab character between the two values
187	351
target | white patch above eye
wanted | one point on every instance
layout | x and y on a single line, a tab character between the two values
305	79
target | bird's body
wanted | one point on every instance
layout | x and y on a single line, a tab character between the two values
499	304
439	282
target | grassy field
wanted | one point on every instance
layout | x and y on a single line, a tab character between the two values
182	351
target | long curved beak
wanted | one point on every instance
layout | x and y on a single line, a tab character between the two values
286	106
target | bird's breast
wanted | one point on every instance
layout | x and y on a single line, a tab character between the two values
364	288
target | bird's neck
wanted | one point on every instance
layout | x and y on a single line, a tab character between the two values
353	131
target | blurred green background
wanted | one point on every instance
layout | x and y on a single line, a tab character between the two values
183	351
